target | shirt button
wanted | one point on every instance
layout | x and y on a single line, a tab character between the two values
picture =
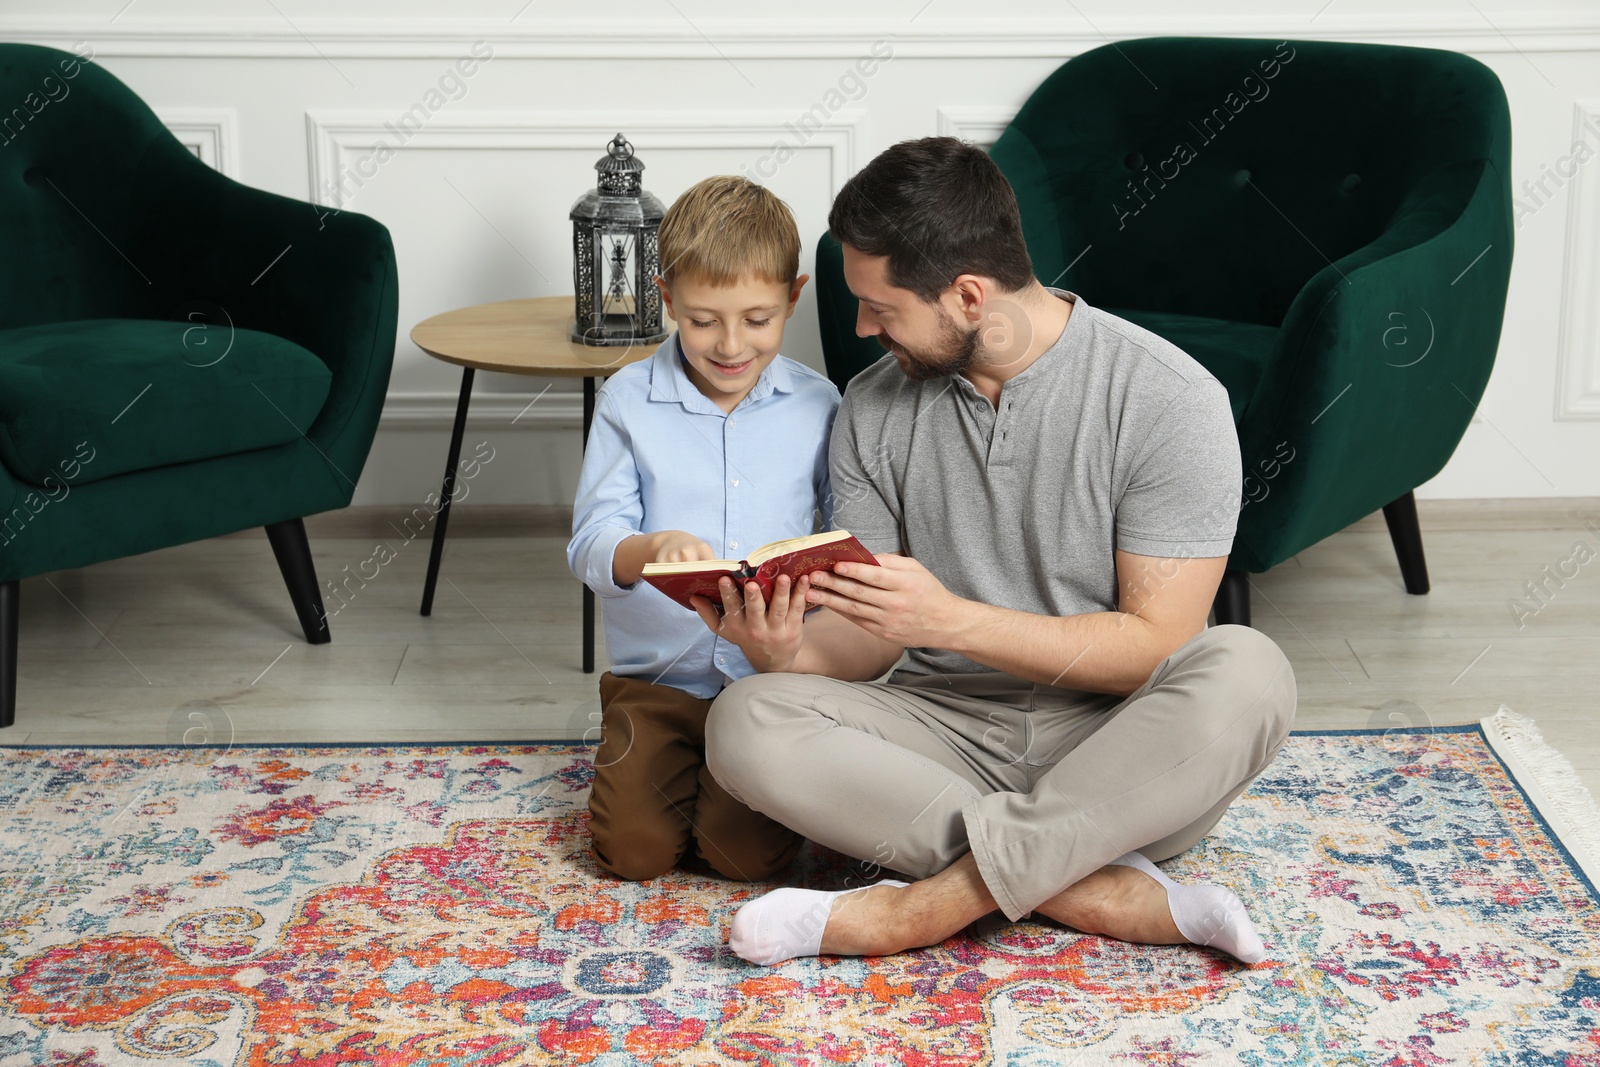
733	422
735	481
733	544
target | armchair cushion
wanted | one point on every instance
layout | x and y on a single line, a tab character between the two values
142	393
1236	353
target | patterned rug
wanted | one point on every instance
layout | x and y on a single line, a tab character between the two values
437	905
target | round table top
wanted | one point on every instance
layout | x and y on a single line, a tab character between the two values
531	336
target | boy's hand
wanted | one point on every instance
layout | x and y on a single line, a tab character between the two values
667	546
675	546
768	634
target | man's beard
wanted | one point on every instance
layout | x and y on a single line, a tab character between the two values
958	350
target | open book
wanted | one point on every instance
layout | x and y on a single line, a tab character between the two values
795	557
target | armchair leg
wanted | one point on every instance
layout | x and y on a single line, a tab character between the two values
293	551
1401	515
1232	605
10	600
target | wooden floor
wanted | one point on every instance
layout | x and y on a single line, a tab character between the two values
133	650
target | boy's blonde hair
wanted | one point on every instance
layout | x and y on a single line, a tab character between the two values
726	228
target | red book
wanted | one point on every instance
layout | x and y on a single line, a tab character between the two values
795	557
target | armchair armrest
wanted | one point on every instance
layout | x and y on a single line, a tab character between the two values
325	280
1381	361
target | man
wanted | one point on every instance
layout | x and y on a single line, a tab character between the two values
1052	493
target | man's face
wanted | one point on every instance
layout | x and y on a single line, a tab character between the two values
927	340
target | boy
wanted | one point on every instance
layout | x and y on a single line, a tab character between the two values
713	446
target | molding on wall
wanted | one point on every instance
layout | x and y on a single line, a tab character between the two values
338	142
1578	342
675	37
473	519
981	126
210	133
1482	515
524	410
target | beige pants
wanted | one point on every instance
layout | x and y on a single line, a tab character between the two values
1043	785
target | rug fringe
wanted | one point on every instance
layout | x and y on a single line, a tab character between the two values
1556	788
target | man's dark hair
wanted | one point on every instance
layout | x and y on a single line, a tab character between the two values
937	208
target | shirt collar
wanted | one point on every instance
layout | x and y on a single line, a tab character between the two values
669	381
775	379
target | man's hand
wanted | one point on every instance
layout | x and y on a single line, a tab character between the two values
767	634
899	601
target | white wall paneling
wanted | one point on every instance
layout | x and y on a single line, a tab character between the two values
978	125
507	179
477	197
212	134
1578	379
342	164
336	139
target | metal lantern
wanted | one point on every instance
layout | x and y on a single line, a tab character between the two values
616	256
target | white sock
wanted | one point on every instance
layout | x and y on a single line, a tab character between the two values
785	923
1206	914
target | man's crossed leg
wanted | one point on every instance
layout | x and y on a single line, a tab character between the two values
997	794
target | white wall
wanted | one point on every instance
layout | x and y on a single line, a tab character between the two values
280	94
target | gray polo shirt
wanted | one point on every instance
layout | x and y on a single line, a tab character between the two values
1113	438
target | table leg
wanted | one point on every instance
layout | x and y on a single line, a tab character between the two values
588	594
436	552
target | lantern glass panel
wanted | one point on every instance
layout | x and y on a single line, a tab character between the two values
620	293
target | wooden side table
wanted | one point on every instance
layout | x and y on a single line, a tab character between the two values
514	337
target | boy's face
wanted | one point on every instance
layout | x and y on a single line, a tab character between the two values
729	333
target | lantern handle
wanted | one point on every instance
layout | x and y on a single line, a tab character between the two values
619	148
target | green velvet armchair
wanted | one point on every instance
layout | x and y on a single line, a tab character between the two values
1326	227
181	356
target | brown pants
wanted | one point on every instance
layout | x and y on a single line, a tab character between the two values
652	791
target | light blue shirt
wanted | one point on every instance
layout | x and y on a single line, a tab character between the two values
662	456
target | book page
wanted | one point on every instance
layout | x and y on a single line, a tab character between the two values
691	567
796	544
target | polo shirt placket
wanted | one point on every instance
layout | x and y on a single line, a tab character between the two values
735	543
994	423
732	513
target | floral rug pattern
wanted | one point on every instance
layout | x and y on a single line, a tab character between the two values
437	905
